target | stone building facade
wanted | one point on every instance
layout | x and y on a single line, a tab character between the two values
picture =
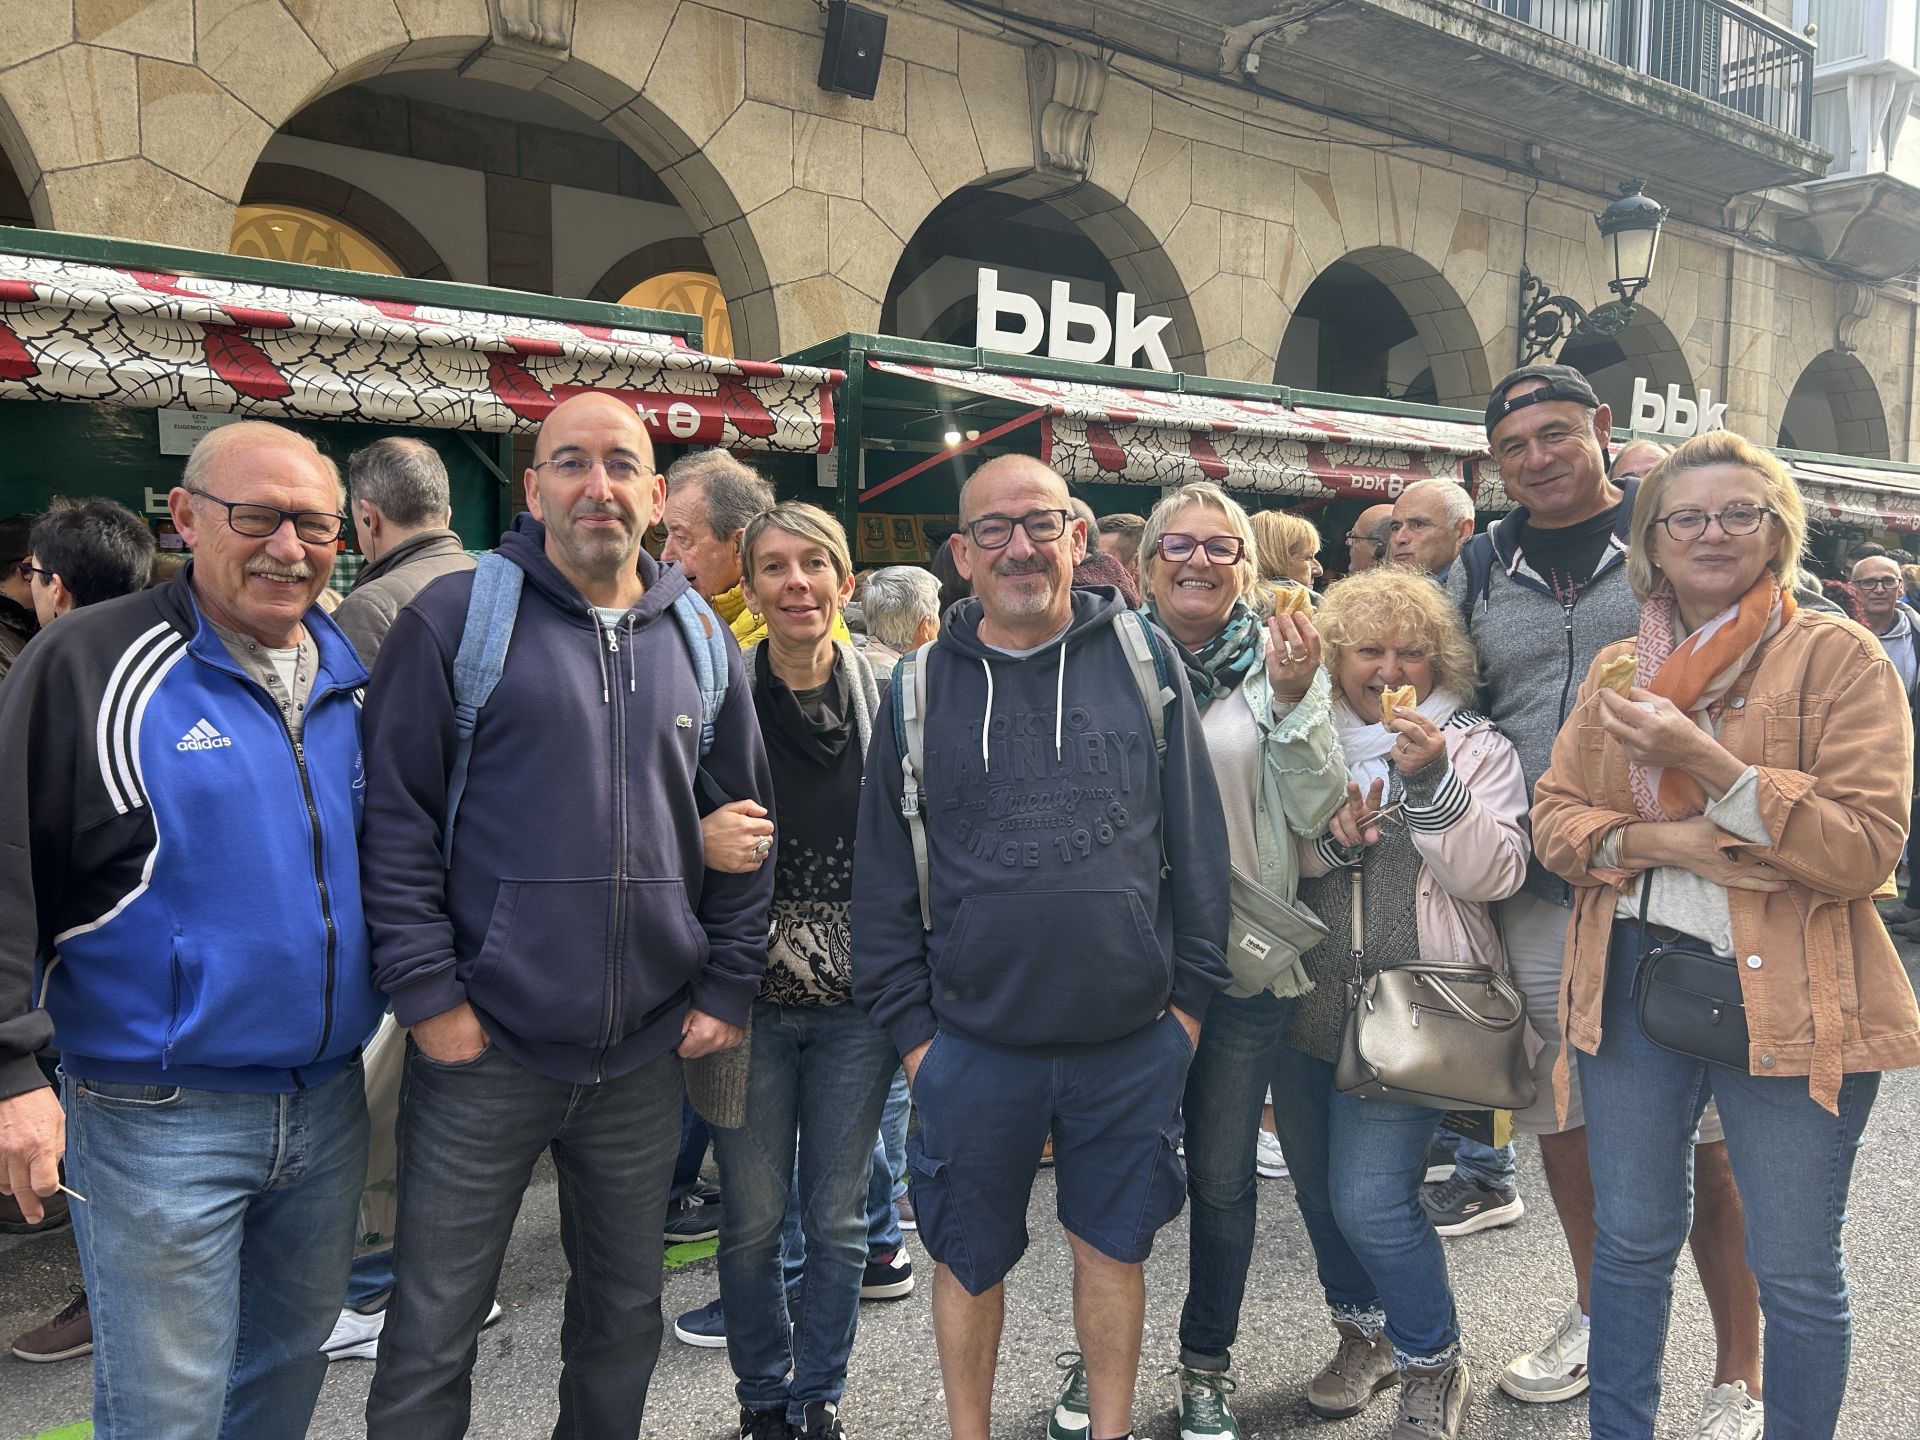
1215	158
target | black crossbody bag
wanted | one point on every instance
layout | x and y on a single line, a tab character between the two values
1687	998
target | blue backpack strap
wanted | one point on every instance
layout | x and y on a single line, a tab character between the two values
491	610
707	644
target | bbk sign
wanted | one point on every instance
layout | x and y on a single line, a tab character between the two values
1675	414
1074	330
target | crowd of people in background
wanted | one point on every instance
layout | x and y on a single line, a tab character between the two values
1085	846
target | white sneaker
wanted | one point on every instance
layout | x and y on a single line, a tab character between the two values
1731	1414
1557	1370
1268	1159
357	1337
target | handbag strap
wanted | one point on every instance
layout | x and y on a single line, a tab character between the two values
1496	984
1359	927
1646	894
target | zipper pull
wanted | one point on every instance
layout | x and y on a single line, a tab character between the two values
613	640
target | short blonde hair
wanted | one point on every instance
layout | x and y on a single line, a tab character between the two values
804	522
1719	447
1408	604
1277	535
1910	576
1204	493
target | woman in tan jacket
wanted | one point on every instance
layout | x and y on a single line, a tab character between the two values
1744	798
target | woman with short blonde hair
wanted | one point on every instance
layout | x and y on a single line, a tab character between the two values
1287	548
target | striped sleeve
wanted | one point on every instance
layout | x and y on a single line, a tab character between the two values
1444	808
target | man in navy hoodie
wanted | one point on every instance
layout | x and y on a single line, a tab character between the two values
1078	900
576	949
180	785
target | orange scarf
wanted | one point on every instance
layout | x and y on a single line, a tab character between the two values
1695	673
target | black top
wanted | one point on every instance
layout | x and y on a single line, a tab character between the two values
1567	557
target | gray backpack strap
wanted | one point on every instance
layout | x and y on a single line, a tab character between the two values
491	610
1143	659
910	734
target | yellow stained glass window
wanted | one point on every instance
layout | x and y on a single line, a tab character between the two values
691	292
305	237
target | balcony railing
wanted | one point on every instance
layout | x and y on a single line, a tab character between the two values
1718	49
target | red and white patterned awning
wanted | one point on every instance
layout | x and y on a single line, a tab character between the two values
81	332
1159	437
1859	495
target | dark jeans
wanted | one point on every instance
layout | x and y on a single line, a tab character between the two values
1240	1041
469	1135
1357	1167
814	1094
694	1136
889	1179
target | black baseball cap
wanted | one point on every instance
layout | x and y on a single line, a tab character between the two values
1563	382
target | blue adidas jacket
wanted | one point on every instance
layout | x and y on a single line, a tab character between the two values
180	877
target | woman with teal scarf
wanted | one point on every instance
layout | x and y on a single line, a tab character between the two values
1266	710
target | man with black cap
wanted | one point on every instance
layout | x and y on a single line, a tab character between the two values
1543	591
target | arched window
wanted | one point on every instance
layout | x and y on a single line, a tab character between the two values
306	237
691	292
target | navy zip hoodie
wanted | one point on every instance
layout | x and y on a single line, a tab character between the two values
1047	814
579	919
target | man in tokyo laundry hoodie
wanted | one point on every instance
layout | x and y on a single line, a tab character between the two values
575	951
1078	894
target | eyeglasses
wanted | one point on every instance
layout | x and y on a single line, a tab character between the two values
1734	520
257	522
1883	582
995	532
620	470
26	570
1219	549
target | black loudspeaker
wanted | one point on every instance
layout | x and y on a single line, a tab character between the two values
856	44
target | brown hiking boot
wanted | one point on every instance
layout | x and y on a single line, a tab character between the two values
1433	1402
1360	1369
65	1336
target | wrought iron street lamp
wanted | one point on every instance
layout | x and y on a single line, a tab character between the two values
1631	228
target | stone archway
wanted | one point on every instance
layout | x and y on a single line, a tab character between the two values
1835	407
1393	326
168	158
19	176
1645	350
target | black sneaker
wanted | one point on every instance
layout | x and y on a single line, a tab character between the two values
822	1422
763	1424
1462	1206
692	1219
889	1278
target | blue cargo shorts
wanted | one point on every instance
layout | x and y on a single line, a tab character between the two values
1114	1113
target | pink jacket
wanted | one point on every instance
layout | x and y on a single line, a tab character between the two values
1473	840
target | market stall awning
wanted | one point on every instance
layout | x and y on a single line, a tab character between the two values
1861	495
1120	435
76	331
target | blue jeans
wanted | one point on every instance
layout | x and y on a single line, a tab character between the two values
818	1081
1357	1167
469	1136
370	1280
888	1181
694	1136
1240	1044
215	1242
1492	1168
1793	1162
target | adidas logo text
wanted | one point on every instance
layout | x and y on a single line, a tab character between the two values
202	737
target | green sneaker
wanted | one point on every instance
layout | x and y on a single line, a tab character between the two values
1203	1405
1069	1420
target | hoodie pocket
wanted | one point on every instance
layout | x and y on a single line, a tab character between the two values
542	970
1052	967
547	970
664	949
